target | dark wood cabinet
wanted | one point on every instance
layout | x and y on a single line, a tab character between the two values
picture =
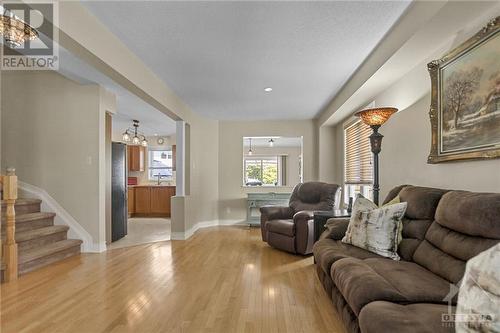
153	200
136	158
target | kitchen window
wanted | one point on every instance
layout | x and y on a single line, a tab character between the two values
358	175
264	170
160	163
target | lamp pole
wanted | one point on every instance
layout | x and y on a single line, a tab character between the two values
376	145
375	118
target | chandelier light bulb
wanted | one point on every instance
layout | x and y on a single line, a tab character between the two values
144	143
136	140
271	143
126	137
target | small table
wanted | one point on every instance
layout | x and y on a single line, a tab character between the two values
320	218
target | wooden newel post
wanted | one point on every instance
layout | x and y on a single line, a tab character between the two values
10	247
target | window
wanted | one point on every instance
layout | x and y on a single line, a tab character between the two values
160	163
262	171
358	161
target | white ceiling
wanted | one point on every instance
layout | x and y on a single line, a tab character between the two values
219	56
128	106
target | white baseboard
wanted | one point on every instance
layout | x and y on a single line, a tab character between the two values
62	217
205	224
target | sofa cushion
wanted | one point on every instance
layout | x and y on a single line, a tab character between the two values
474	214
283	227
380	279
327	251
422	201
466	224
381	317
313	196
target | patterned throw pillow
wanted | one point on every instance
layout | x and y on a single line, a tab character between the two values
375	229
479	294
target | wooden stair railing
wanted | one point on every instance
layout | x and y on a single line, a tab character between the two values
9	253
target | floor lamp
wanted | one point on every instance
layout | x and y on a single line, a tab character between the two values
376	118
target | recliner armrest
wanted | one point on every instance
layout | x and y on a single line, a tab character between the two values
335	228
303	215
275	213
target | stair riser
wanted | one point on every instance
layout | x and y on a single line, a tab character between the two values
30	225
38	263
24	209
40	241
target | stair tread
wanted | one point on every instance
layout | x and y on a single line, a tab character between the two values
32	216
47	250
25	201
39	232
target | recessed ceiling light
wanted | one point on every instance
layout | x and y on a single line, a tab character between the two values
268	89
156	134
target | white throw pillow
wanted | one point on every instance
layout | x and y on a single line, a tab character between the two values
479	296
375	229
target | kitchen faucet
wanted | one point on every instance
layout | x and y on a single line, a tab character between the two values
159	177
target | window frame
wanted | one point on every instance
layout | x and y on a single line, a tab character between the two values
168	150
261	158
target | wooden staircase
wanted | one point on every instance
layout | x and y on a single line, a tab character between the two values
39	241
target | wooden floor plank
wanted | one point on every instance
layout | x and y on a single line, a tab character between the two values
223	279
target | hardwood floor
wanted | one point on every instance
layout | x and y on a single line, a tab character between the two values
223	279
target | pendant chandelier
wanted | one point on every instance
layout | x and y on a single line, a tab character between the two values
133	135
14	31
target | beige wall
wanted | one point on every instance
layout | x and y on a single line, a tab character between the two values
232	195
327	145
51	135
407	137
202	202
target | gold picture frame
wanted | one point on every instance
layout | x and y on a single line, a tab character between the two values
469	73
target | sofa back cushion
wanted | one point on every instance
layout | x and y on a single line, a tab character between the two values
466	224
313	196
422	204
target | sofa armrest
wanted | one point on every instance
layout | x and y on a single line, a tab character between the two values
303	215
304	231
268	213
335	228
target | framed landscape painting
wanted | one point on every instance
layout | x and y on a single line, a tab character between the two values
465	99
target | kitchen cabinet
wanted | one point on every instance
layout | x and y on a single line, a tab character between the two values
136	158
131	201
153	200
142	200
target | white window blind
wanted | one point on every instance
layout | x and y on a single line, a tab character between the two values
358	155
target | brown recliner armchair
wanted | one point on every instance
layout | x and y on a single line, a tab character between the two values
292	228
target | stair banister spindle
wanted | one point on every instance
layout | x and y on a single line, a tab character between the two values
10	256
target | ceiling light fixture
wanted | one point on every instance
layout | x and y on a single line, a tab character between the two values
268	89
14	31
133	134
271	143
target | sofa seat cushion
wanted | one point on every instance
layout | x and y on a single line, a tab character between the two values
327	251
283	227
380	279
381	317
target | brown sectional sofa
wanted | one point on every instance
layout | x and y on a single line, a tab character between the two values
441	230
